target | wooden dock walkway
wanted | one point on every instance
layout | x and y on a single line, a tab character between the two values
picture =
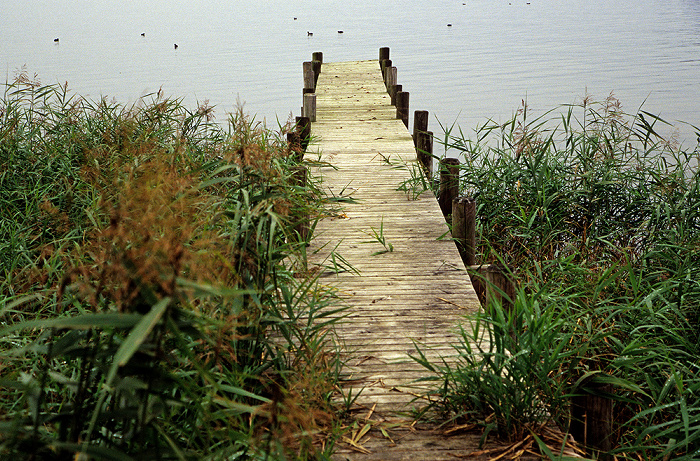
418	293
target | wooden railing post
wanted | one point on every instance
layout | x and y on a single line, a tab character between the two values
402	106
591	416
316	66
309	78
492	283
299	175
383	65
303	128
393	91
449	184
294	143
390	76
424	152
310	106
383	53
420	123
464	228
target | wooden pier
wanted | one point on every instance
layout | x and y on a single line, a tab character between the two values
390	254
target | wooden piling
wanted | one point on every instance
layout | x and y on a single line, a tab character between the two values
299	178
310	106
464	228
424	152
383	64
294	143
420	123
309	78
316	66
303	128
493	283
449	184
390	76
317	56
393	91
402	107
592	417
383	53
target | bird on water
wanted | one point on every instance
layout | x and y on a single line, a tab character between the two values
55	39
175	46
310	34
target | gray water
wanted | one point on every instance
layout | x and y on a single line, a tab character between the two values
496	53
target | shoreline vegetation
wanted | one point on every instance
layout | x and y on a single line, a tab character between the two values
597	219
155	298
155	301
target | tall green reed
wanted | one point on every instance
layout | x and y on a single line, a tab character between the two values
596	214
150	304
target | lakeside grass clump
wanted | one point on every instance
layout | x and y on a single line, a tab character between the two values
151	303
598	217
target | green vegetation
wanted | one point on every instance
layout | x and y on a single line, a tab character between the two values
154	297
598	216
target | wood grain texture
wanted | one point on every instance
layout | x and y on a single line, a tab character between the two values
416	295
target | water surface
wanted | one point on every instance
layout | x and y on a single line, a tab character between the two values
495	54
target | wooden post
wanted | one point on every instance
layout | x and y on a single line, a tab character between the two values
383	65
299	175
402	107
309	78
591	417
490	281
449	184
303	127
310	106
424	152
390	76
464	228
420	123
383	53
316	66
317	56
393	91
294	143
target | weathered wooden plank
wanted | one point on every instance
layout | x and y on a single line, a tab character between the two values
418	293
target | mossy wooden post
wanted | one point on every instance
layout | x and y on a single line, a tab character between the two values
310	106
317	56
303	127
402	106
591	417
383	53
464	228
420	123
449	184
424	152
393	90
299	175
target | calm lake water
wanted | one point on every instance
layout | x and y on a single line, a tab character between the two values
496	53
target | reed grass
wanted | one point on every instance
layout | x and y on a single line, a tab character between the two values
150	299
597	215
